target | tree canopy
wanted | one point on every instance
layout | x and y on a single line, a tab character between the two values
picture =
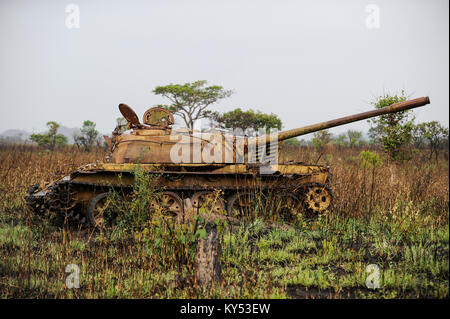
51	138
320	140
432	134
191	100
393	130
87	137
354	138
248	120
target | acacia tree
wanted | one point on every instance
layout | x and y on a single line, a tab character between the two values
393	130
354	138
320	141
191	100
88	136
418	139
51	138
340	140
247	120
433	133
293	142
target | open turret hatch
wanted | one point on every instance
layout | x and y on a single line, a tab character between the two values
154	118
158	117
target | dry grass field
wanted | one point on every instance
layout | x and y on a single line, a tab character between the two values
395	217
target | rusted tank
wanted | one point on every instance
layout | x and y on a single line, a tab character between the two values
228	173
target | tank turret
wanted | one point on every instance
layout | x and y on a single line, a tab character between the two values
156	142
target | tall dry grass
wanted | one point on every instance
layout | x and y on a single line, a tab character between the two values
24	165
417	181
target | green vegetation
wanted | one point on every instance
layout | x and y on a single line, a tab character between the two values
292	142
393	130
87	137
431	134
354	138
145	254
50	139
324	257
320	141
191	100
248	120
370	160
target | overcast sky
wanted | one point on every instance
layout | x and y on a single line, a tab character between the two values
306	61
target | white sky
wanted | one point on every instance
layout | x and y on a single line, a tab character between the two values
306	61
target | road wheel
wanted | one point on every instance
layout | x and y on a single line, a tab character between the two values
99	212
170	202
210	200
287	206
243	204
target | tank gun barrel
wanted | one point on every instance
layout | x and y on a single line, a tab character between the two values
393	108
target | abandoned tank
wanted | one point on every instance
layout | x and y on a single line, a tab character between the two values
225	172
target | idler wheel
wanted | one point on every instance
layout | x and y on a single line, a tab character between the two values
210	200
61	198
317	199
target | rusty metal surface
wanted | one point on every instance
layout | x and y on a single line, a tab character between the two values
149	147
158	117
129	114
84	185
397	107
199	180
197	168
140	146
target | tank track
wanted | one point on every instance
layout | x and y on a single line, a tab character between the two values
59	197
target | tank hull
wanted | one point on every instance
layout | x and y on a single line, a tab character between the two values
73	194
